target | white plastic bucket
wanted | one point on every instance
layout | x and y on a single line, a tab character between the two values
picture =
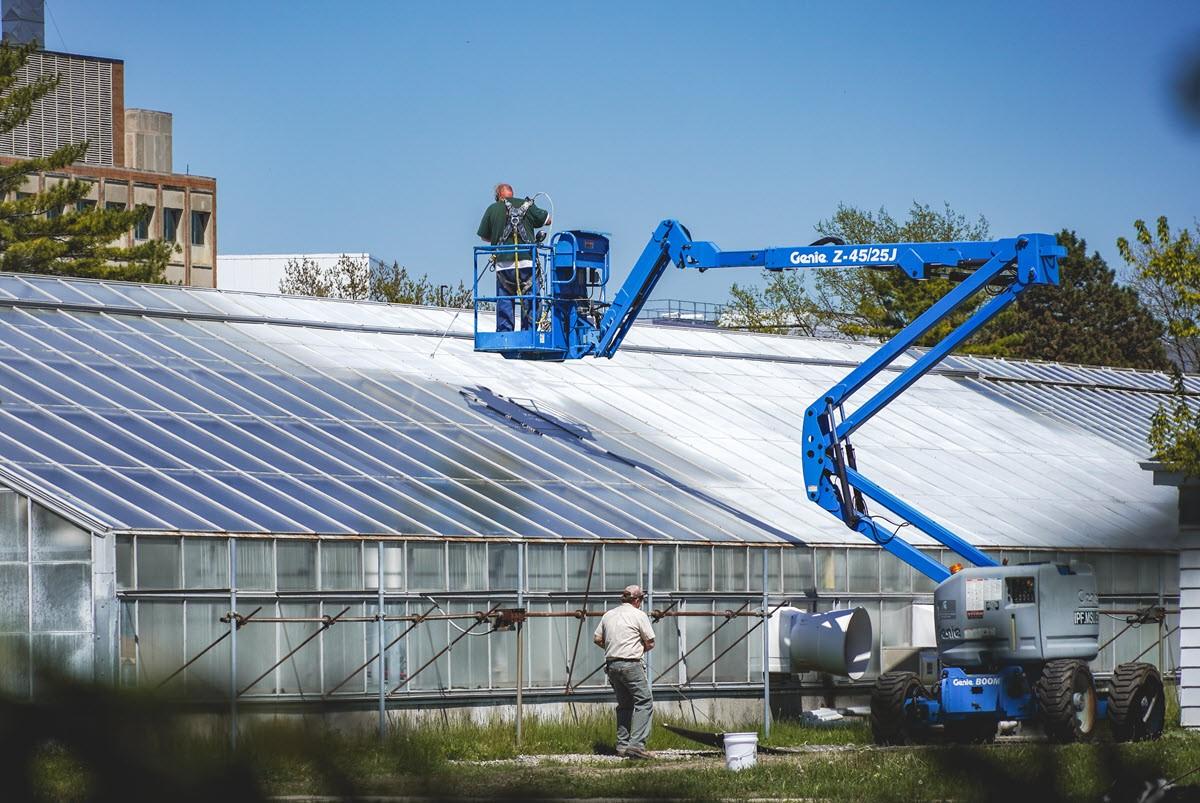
741	750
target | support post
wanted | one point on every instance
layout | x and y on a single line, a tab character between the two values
382	660
520	679
766	648
233	627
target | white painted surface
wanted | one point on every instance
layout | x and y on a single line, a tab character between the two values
261	273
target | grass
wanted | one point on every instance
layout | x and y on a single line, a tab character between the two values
443	759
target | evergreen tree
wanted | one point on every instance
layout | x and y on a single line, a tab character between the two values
1089	318
57	231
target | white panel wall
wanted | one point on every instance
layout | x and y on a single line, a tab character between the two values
261	273
1189	628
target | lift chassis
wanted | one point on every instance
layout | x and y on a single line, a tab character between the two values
1013	642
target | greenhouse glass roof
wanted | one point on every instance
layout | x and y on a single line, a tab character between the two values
170	409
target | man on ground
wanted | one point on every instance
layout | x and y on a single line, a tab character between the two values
626	636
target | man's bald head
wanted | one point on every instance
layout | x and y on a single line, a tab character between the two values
503	191
632	594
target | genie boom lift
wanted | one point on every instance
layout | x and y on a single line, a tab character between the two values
1013	642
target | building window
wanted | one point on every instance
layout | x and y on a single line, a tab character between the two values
171	218
84	204
199	226
54	212
114	206
141	229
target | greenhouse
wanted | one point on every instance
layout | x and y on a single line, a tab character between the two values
249	497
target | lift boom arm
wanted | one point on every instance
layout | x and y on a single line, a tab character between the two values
831	476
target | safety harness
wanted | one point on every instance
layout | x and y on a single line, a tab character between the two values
513	226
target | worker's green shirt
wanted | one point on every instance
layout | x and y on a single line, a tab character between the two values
496	216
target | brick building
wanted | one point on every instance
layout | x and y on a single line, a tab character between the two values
129	161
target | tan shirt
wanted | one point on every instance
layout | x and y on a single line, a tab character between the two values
622	629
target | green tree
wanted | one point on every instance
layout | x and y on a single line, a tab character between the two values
57	231
1175	431
393	284
1166	272
1089	318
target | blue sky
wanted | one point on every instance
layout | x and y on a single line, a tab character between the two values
381	126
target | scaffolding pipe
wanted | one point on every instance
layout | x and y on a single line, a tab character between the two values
766	652
382	654
730	616
204	651
581	616
416	621
1170	632
327	622
480	618
736	642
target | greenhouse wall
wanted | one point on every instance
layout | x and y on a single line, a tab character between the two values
173	593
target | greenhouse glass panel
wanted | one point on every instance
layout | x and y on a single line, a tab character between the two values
797	569
665	652
425	642
550	642
341	566
300	674
69	653
468	566
345	650
124	550
393	565
545	567
296	568
863	565
503	645
831	569
1126	574
158	563
729	569
160	640
579	563
664	568
774	562
206	563
502	567
14	665
1149	581
921	583
695	630
732	667
55	538
695	568
1170	570
255	565
209	675
621	566
14	598
14	529
469	658
426	566
895	574
897	623
62	597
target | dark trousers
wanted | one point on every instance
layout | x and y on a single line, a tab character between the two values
506	285
635	705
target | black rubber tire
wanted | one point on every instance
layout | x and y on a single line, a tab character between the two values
971	731
1136	704
890	724
1061	680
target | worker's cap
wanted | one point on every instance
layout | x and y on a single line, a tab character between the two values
631	593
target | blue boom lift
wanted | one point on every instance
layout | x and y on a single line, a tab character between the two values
1013	641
